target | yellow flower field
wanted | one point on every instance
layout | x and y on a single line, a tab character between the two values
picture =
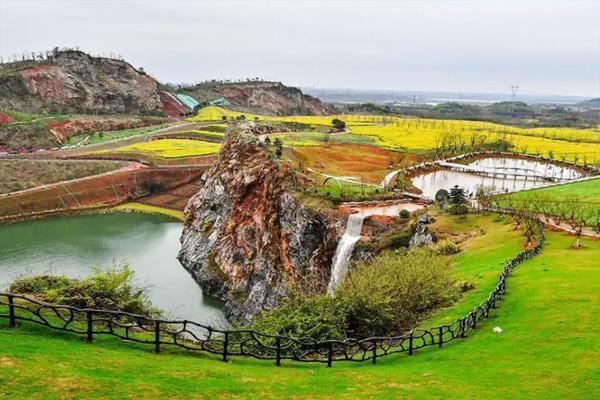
399	133
173	148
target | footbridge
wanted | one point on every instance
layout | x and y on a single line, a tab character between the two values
502	172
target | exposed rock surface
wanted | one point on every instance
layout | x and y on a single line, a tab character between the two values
246	238
73	82
422	237
260	97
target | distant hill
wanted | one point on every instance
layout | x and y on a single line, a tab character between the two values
510	108
73	82
261	97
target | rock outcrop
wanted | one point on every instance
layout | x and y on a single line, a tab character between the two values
75	82
421	237
260	97
246	239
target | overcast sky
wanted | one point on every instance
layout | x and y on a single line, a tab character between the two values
545	47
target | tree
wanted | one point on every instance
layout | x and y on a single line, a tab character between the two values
442	196
268	141
338	124
278	148
457	196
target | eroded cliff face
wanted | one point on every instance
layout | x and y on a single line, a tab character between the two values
74	81
247	239
261	97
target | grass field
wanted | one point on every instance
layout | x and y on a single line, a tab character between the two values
101	137
414	134
588	191
172	148
548	350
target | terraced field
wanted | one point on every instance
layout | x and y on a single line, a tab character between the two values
414	134
172	148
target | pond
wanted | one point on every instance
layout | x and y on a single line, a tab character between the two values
429	183
74	245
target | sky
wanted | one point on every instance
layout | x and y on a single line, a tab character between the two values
544	47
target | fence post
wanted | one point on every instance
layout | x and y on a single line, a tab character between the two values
441	334
90	330
225	345
410	344
278	355
11	312
374	351
330	355
157	336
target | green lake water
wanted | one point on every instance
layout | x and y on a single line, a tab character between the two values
74	245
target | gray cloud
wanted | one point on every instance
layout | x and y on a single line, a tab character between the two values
546	47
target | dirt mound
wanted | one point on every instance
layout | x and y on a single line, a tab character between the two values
65	128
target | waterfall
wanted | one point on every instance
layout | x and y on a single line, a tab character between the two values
344	250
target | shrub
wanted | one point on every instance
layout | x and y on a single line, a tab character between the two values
319	317
404	214
442	196
446	248
109	289
390	294
386	295
397	240
458	209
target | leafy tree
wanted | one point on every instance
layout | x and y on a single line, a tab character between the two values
338	124
442	196
278	148
457	196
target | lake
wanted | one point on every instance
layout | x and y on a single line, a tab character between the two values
74	245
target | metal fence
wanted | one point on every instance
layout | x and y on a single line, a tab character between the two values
194	336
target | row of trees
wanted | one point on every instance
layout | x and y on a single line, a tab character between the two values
572	213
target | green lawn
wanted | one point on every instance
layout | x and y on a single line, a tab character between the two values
549	349
582	191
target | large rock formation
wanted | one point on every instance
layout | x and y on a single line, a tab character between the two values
246	238
74	82
260	97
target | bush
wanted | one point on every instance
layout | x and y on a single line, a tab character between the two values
386	295
404	214
390	294
397	240
458	210
319	317
110	289
446	248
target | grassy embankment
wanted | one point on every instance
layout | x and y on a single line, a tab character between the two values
588	191
101	137
145	208
25	174
549	348
415	134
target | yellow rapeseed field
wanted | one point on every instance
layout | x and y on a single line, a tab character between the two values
400	133
173	148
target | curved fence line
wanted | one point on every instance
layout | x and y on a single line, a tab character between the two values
194	336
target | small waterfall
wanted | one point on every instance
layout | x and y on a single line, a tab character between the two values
344	250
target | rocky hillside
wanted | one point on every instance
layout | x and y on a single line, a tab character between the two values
259	97
246	238
75	82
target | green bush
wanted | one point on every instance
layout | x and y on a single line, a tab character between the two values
386	295
109	289
404	214
446	248
397	240
458	209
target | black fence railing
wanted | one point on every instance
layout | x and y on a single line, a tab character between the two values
194	336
